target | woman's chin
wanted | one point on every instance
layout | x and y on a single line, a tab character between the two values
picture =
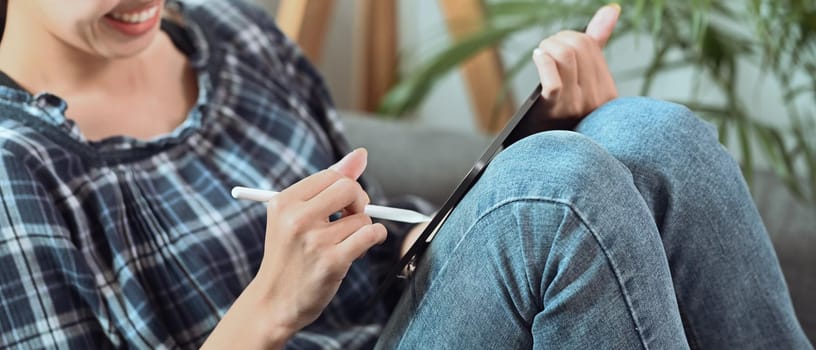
127	49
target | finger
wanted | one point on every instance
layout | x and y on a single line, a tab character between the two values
361	240
584	53
353	164
344	193
357	206
564	57
309	187
586	56
339	230
602	24
547	74
565	61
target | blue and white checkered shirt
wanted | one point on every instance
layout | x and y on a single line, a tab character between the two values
126	243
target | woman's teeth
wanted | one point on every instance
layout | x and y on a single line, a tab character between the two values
136	17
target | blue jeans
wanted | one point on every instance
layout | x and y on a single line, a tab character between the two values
636	231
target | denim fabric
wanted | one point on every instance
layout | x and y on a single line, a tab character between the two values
636	231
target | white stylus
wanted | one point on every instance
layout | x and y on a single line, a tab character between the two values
374	211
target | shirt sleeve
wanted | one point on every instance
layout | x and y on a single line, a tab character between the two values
48	295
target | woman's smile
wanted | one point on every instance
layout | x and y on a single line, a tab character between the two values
135	17
135	22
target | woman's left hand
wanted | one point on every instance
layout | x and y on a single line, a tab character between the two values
575	79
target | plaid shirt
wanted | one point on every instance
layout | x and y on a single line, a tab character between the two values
131	243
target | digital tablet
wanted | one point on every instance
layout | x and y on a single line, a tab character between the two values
516	129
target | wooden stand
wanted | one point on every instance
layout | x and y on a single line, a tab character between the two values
306	21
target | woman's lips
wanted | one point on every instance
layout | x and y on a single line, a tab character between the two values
134	23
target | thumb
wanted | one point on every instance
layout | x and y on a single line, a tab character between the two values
353	164
601	25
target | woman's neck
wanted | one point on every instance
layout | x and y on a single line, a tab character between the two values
143	96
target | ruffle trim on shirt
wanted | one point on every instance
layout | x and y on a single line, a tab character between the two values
49	109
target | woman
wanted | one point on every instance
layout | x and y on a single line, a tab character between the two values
126	122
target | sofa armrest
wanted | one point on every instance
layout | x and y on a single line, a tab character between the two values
406	158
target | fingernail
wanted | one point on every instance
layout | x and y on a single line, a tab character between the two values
537	54
343	161
616	5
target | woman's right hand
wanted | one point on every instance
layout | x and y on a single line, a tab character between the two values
306	257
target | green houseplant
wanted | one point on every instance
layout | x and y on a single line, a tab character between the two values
711	37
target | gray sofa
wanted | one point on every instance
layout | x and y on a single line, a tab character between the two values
406	158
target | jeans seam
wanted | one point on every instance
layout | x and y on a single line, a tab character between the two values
467	233
615	270
571	206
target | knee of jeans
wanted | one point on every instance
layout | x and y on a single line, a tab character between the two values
561	162
654	118
648	132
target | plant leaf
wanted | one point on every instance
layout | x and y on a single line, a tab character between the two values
407	94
